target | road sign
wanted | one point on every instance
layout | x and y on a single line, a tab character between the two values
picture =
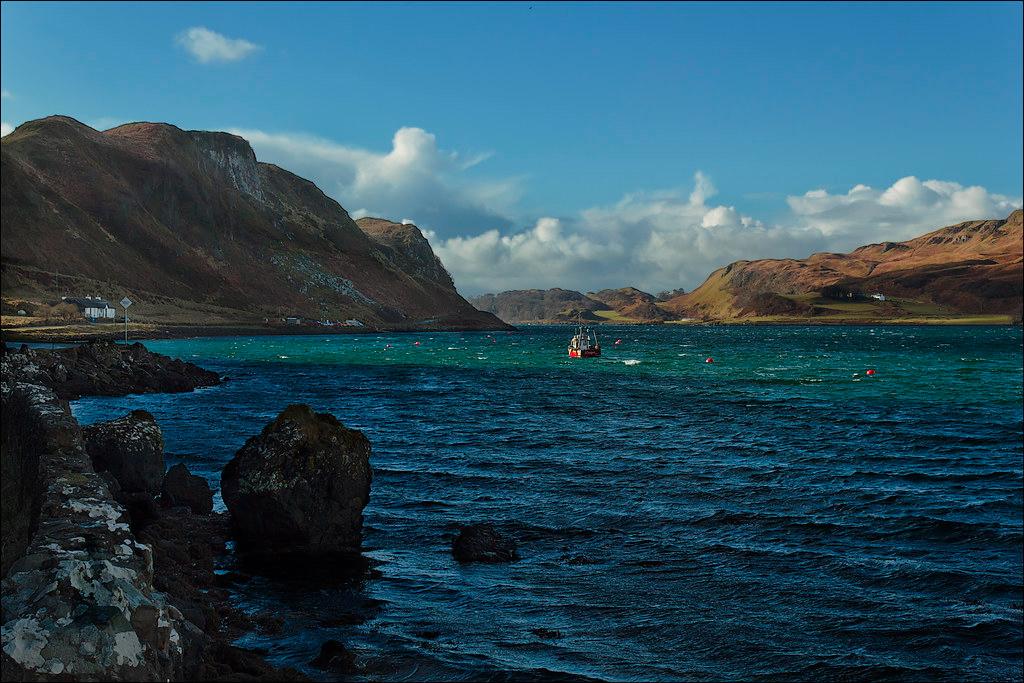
126	302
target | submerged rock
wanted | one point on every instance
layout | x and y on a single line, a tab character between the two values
131	448
300	486
182	488
334	656
483	543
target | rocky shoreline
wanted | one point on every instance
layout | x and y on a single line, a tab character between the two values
108	562
111	561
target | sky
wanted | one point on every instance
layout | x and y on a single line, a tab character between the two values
573	145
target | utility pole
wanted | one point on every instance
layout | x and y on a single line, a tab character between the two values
125	303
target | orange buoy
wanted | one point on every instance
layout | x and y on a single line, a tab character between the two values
709	360
869	372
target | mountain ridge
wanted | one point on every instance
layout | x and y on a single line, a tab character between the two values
193	219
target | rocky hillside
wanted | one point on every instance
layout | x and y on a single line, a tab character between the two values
973	267
190	222
563	305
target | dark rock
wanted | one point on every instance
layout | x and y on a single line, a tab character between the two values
19	467
182	488
546	633
131	448
334	656
483	543
300	486
141	507
106	369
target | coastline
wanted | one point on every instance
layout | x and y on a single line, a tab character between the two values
70	334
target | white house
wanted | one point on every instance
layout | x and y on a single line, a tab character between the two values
93	308
880	297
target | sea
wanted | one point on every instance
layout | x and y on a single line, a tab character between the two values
699	503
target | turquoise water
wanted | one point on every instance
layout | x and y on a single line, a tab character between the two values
777	513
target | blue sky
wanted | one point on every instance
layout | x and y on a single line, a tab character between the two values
481	122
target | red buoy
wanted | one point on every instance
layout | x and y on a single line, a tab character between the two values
869	372
416	344
709	360
618	341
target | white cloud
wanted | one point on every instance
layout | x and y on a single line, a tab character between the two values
5	128
665	240
905	209
208	46
415	179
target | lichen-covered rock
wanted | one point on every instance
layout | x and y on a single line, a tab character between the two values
483	543
80	602
182	488
131	448
300	486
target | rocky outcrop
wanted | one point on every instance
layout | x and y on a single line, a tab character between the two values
80	602
300	486
182	488
483	543
131	448
106	369
85	596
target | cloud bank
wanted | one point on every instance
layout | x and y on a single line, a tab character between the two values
208	46
413	180
651	240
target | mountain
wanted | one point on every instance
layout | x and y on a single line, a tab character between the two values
537	305
192	226
563	305
973	267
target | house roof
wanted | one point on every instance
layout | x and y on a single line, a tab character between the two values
88	303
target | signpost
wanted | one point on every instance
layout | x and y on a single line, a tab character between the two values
125	303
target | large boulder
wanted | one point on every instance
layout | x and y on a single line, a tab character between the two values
300	486
131	448
181	488
483	543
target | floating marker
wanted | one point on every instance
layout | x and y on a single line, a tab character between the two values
618	341
869	372
709	360
416	344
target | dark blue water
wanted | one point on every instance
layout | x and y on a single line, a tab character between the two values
768	515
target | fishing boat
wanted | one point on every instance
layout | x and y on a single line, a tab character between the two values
584	344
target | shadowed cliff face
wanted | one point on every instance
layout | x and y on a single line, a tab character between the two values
192	216
971	267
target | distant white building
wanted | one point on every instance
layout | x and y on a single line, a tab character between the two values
93	308
352	322
880	297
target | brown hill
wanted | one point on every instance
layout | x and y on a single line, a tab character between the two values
191	224
971	267
630	302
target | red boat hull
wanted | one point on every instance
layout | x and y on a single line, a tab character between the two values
585	353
